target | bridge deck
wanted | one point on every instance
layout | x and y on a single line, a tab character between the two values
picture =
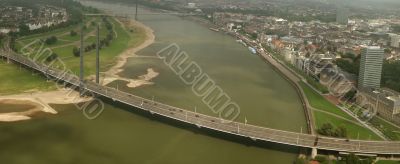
214	123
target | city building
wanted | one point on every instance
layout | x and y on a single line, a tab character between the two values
395	40
342	15
370	67
191	5
385	102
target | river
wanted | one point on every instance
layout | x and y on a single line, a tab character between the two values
119	136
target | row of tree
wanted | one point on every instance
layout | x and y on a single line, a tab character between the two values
103	42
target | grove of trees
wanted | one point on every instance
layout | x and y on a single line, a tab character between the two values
328	129
391	75
349	63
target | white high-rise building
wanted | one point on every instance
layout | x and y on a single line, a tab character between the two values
371	67
395	41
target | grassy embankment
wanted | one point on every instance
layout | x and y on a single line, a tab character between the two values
325	111
17	81
328	113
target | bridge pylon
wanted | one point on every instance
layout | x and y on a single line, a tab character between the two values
136	11
98	55
81	71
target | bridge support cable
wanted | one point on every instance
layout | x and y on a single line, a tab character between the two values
81	72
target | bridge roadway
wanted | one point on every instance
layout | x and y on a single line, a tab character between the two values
217	124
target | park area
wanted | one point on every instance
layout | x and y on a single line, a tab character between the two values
327	116
63	44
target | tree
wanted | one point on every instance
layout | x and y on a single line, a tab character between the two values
341	132
349	95
326	129
76	51
24	29
352	159
52	57
349	55
73	33
390	75
51	40
351	67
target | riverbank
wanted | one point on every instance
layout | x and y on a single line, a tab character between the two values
294	80
39	102
113	73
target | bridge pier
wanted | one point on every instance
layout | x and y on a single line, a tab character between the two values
314	152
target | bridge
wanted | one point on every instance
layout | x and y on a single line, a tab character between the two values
213	123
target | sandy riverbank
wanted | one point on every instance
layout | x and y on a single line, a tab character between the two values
40	103
40	100
112	74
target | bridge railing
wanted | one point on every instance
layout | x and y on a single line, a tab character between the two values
202	120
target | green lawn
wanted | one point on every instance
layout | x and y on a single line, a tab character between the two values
353	130
319	102
15	80
389	130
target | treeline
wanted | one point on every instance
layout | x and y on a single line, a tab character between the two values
349	63
391	75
